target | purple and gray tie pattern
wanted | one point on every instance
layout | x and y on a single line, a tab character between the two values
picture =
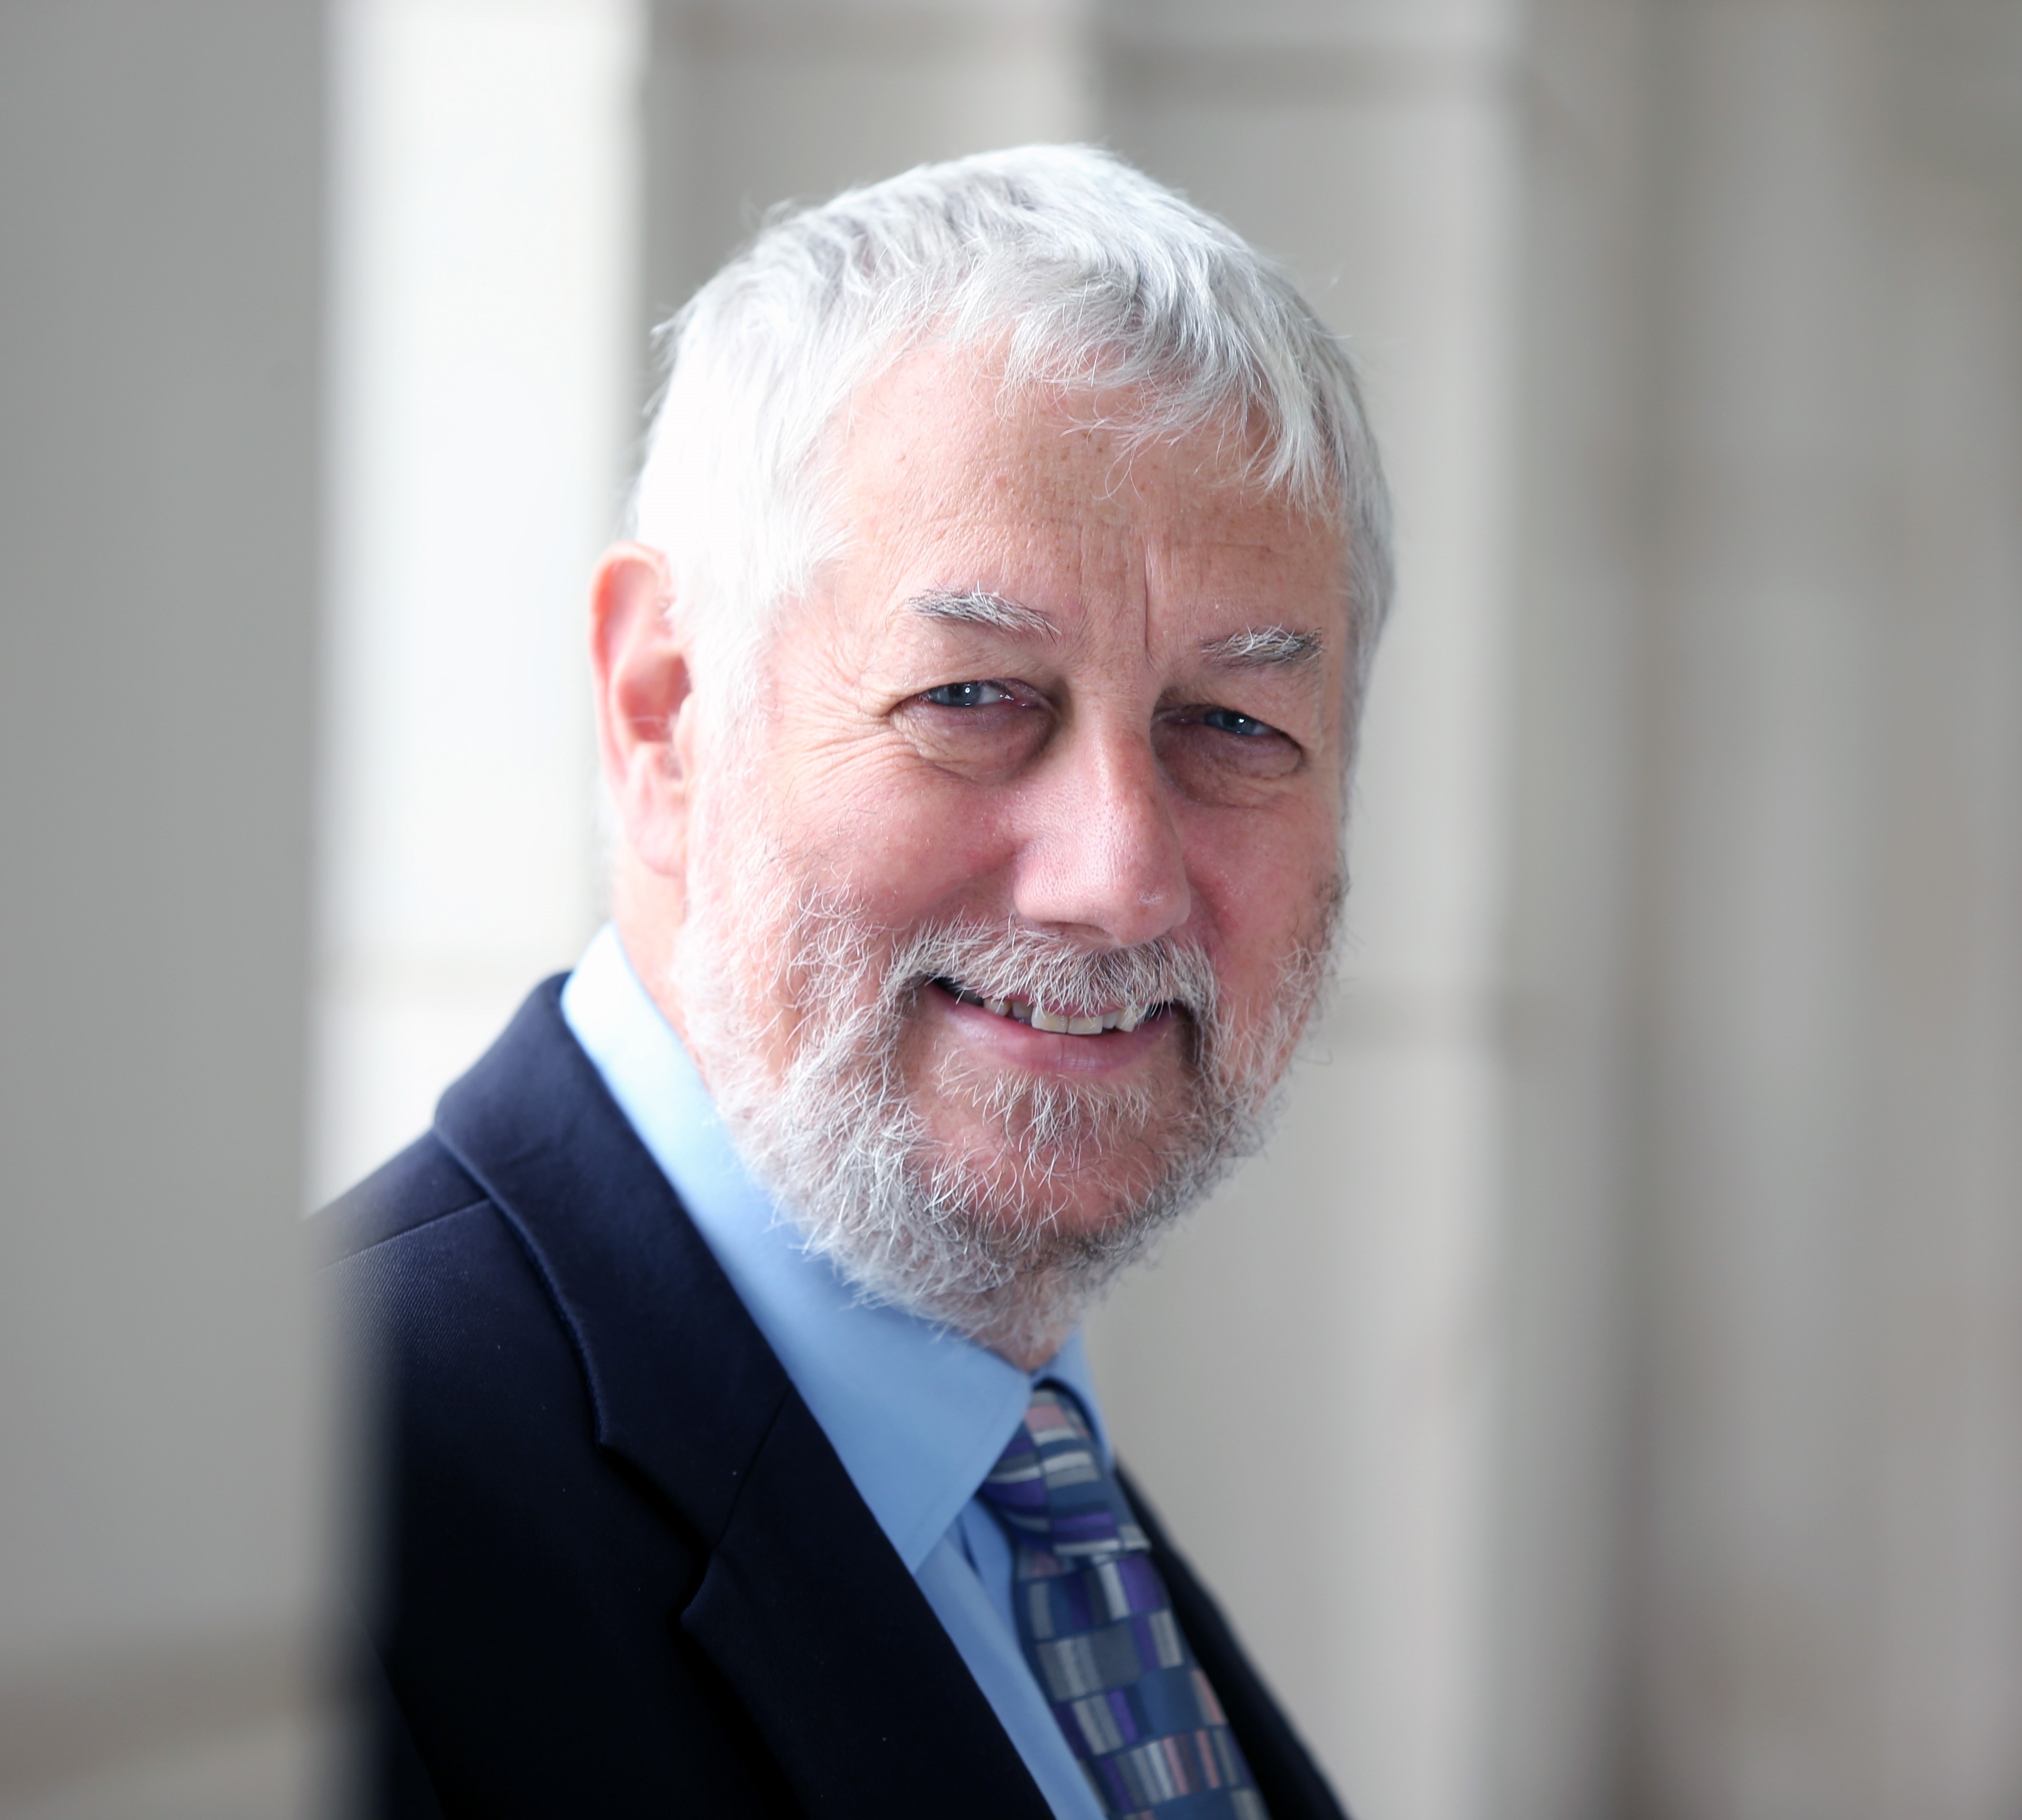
1098	1629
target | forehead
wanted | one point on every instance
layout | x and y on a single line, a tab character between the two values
944	481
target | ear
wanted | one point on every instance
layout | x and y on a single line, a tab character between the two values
645	685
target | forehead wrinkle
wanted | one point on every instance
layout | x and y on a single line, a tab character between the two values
1265	647
993	611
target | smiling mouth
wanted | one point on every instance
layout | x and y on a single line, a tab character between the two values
1121	1018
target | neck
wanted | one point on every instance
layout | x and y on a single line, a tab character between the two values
647	910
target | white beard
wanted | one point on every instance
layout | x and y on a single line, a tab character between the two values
974	1240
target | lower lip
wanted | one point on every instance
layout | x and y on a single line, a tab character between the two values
1049	1051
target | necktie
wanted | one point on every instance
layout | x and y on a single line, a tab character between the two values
1097	1626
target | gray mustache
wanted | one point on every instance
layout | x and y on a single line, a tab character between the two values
1009	961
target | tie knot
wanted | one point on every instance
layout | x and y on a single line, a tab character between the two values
1051	1488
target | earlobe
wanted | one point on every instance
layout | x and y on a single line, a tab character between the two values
644	684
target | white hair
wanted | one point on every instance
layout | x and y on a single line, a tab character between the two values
1086	273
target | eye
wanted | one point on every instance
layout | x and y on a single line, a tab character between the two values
966	695
979	729
1222	755
1226	720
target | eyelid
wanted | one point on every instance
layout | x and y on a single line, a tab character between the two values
1009	690
1198	710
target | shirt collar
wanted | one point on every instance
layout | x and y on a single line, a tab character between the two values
918	1414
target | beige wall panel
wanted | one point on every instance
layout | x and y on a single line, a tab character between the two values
1826	1545
1579	567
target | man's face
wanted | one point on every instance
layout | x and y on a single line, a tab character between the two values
1091	697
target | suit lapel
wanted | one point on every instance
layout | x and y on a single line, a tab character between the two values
878	1714
804	1606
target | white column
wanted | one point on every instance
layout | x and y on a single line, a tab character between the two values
485	365
1827	1562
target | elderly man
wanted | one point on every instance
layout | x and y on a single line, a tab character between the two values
976	702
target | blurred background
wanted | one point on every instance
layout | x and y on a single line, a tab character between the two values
1616	1368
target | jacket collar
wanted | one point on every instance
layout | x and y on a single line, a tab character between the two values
804	1605
651	1315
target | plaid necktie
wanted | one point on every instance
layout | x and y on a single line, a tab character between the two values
1098	1629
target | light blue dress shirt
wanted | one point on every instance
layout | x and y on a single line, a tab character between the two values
917	1414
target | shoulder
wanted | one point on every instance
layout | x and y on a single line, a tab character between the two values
434	1285
423	1184
515	1580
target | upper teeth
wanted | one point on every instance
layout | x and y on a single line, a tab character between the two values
1125	1017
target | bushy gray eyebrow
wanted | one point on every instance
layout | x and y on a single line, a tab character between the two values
992	611
1268	646
1256	647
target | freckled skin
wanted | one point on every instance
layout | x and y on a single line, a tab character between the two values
1109	781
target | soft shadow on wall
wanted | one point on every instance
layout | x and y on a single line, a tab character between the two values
165	1389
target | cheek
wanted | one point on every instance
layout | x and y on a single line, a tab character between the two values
1263	890
899	845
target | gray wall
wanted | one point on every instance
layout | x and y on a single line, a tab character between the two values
161	1384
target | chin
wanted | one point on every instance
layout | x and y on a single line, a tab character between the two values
1070	1157
1063	1192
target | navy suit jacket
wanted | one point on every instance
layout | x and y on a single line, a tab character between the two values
617	1568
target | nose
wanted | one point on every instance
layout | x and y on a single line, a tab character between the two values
1102	856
